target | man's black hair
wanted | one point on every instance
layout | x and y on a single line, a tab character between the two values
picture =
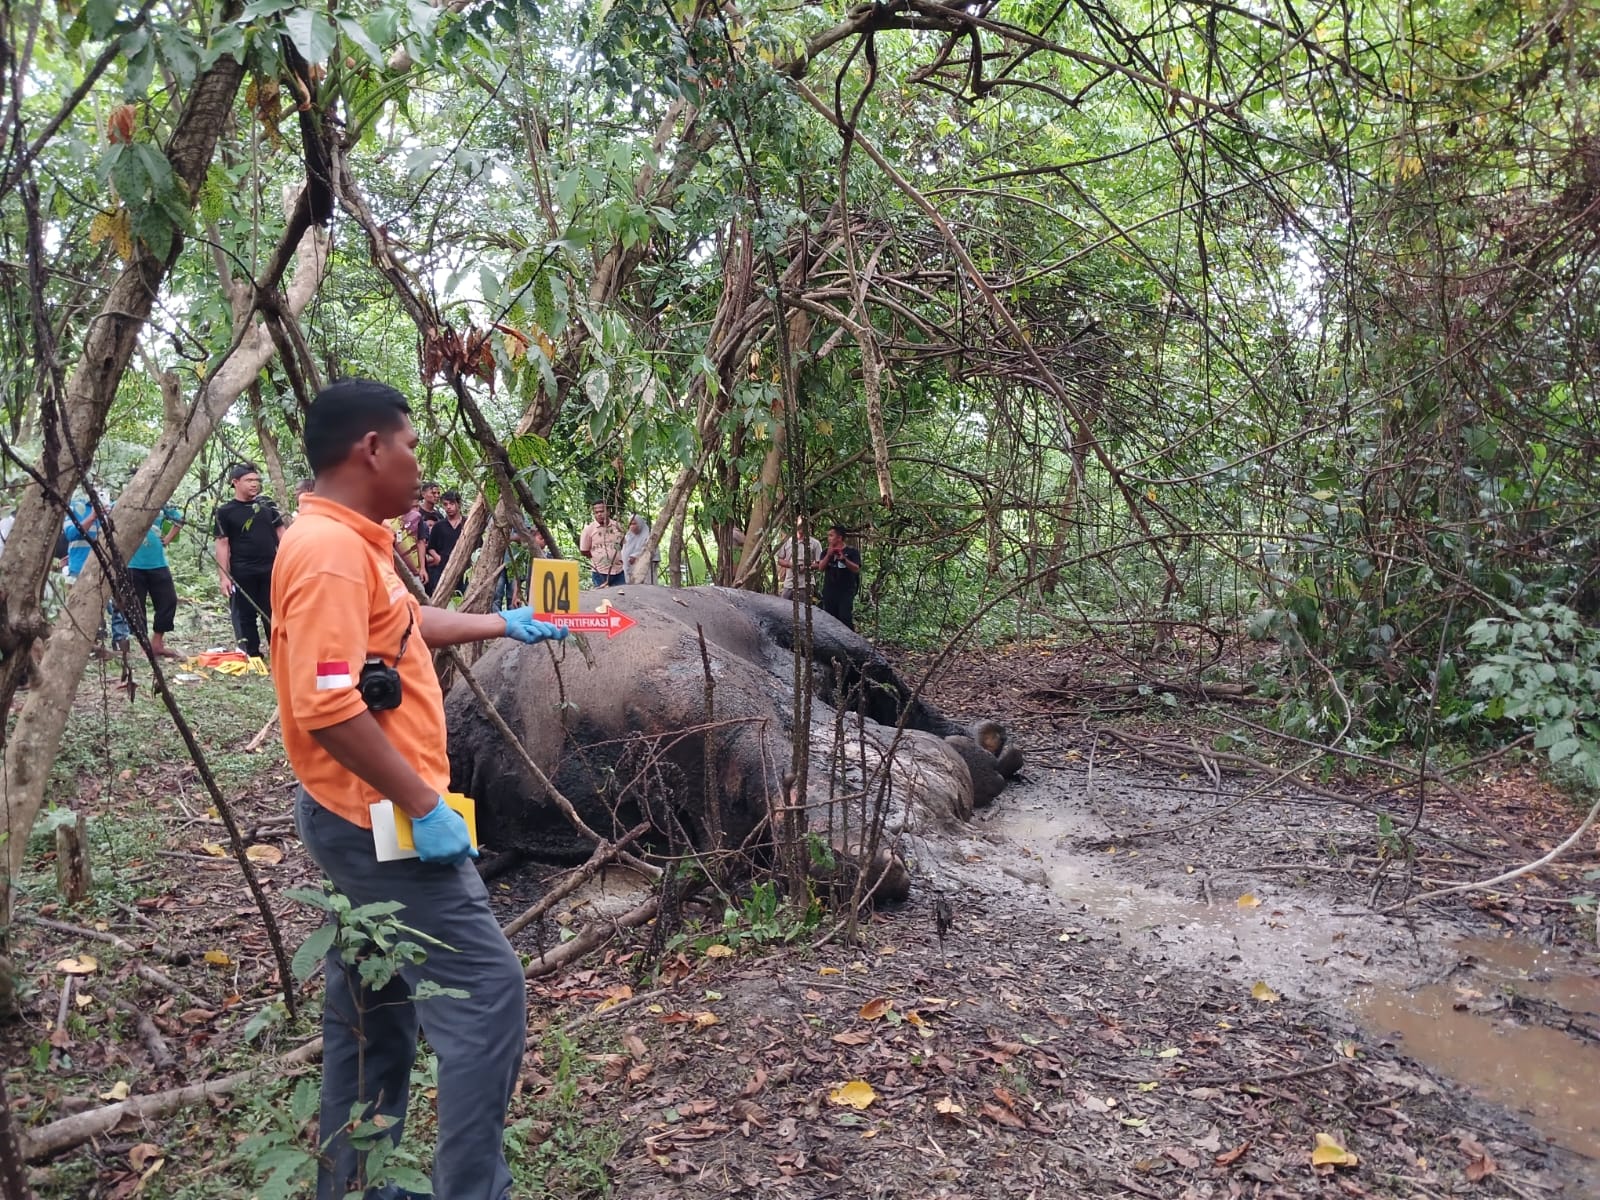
426	484
343	413
452	494
840	530
239	470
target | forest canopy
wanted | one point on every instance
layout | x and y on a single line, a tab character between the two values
1273	316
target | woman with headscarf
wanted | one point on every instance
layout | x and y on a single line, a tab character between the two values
637	560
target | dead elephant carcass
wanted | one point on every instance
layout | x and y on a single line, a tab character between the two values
625	732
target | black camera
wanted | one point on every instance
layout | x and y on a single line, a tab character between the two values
379	682
379	685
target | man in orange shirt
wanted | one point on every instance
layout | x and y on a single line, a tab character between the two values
363	721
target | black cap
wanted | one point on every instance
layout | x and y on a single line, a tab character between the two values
239	470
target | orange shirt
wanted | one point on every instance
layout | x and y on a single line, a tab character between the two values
336	601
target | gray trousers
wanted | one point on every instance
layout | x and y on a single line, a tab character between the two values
370	1037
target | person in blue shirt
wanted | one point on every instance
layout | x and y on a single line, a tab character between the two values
82	526
151	578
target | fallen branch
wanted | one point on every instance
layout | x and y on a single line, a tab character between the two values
160	1054
73	1131
1526	869
603	854
150	975
176	957
254	743
594	935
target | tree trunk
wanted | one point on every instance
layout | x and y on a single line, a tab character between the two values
13	1176
36	737
108	347
269	448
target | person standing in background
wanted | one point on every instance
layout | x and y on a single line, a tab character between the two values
442	539
795	553
840	567
601	540
637	563
247	529
151	579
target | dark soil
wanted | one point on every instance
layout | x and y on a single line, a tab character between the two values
1047	1047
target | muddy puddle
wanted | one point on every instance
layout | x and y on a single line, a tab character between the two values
1517	1025
1512	1022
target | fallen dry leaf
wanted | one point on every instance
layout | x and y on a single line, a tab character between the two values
718	950
1228	1157
1264	994
857	1094
853	1037
1480	1164
214	850
218	958
118	1091
875	1008
142	1154
1184	1158
704	1020
614	997
1248	901
827	970
264	854
1329	1153
945	1106
1002	1116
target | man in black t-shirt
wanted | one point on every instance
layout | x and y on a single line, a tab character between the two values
247	529
840	568
442	538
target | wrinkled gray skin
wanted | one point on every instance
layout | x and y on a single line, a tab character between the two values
594	729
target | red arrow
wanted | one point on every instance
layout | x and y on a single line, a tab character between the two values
611	622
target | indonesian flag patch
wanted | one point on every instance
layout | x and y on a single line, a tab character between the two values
332	675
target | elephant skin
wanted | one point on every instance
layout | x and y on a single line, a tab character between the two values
622	731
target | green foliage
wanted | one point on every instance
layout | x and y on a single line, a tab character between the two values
1540	668
569	1157
368	938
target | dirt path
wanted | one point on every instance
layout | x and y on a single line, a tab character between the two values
1092	1024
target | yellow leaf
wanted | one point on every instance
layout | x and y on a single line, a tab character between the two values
1149	1086
856	1094
948	1107
827	970
873	1009
1169	1052
1264	994
83	999
119	1091
83	964
218	958
144	1153
704	1020
1329	1153
214	850
823	426
718	950
915	1018
615	997
1249	901
264	854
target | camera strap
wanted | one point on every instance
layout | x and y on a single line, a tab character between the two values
405	638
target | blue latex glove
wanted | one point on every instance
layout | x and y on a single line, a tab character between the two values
521	625
441	836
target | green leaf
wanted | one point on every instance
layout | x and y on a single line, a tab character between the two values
312	950
312	34
352	29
